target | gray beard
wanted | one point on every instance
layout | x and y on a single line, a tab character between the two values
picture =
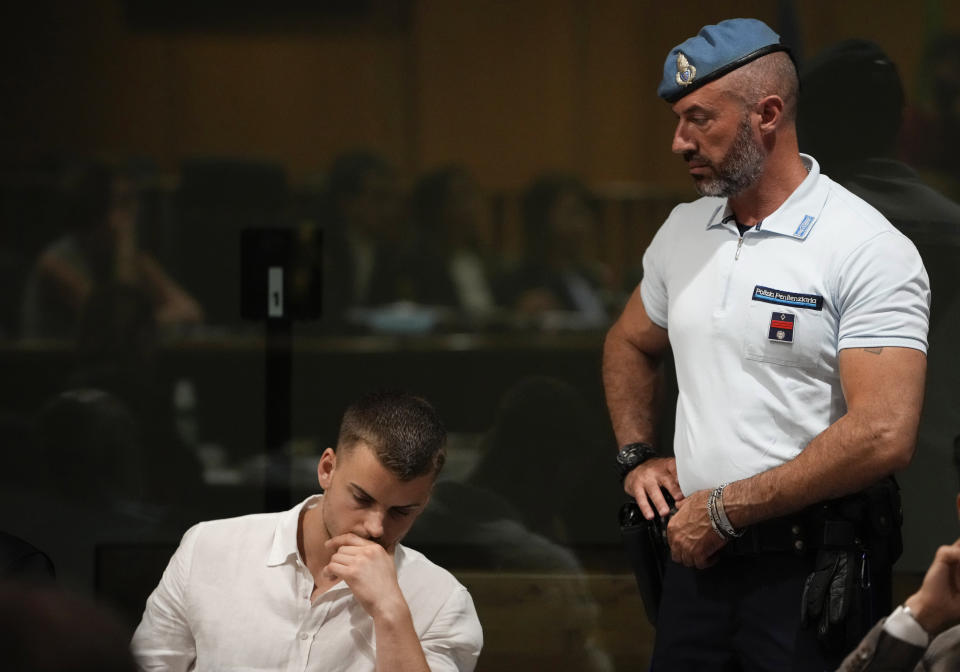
739	169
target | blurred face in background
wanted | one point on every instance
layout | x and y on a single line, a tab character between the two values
374	212
466	220
572	227
124	206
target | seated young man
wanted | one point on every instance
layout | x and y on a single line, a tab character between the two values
326	585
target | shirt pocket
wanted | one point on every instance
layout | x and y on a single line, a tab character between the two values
783	335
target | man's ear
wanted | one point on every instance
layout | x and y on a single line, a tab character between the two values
325	468
771	113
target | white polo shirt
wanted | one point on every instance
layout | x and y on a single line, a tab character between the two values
756	322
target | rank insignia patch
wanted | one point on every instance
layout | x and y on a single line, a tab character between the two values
781	327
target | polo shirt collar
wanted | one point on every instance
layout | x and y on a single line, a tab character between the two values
797	215
285	535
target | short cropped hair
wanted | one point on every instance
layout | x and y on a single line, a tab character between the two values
403	430
773	74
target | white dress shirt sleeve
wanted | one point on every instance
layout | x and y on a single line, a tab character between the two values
164	640
454	639
902	625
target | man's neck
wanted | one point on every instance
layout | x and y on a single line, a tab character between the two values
779	179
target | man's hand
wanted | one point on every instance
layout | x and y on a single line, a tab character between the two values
693	542
936	606
643	483
368	569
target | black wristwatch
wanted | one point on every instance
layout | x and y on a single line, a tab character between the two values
632	456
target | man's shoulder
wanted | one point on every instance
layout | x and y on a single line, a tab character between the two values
435	597
234	523
702	209
423	580
230	530
856	217
418	568
690	217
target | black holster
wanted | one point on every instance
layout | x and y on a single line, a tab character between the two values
858	540
645	543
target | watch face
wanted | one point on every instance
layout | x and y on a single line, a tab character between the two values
627	458
633	455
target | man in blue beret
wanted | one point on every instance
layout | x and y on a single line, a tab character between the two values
797	316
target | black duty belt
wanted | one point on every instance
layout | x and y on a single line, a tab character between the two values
868	518
799	533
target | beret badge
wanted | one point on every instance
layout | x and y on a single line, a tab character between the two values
685	71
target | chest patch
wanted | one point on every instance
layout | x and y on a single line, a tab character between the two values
781	327
787	299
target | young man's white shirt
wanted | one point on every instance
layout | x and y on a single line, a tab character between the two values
236	595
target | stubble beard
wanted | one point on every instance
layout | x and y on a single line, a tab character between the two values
739	169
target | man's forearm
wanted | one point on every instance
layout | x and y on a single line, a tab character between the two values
846	457
631	382
876	437
398	646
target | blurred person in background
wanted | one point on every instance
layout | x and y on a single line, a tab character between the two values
117	353
931	135
559	272
360	219
85	486
514	485
449	264
45	629
864	162
99	249
521	510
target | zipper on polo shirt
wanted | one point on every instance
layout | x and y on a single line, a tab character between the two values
725	296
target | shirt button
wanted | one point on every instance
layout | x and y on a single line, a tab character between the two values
303	635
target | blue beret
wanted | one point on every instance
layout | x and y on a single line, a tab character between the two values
714	52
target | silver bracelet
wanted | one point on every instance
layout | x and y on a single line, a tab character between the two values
713	516
722	519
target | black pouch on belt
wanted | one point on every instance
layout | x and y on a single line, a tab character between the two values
645	543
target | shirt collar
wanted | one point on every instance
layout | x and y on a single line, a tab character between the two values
285	534
796	216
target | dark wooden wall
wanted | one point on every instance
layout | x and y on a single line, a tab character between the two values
509	88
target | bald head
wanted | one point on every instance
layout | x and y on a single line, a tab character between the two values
770	75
